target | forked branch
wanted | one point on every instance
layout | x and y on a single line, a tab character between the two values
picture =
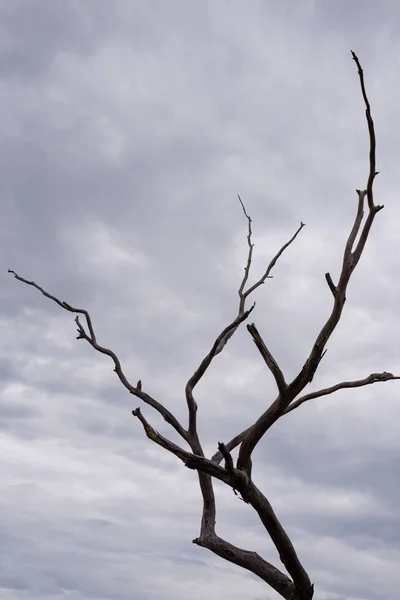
228	332
251	561
373	378
91	339
243	294
351	258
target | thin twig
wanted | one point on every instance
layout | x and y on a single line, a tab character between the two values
273	262
91	339
249	256
372	140
63	305
373	378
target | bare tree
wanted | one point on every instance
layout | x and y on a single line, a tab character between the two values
295	583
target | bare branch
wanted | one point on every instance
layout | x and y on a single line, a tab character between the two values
253	496
356	255
350	258
372	140
63	305
353	233
159	439
373	378
244	294
330	283
249	258
205	471
228	458
91	339
250	561
190	460
272	263
238	439
268	358
350	261
198	374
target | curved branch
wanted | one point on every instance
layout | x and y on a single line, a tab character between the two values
253	496
373	378
251	561
91	339
271	264
371	130
205	363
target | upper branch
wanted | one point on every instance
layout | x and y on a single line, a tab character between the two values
91	339
249	258
244	294
373	378
350	260
227	333
350	257
371	129
190	460
268	358
63	305
354	232
205	363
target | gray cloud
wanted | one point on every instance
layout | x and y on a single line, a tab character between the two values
127	131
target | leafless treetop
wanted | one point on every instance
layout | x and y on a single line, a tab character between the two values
296	584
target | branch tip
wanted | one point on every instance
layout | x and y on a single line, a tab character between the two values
330	283
227	456
268	359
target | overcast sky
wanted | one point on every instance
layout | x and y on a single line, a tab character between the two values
127	130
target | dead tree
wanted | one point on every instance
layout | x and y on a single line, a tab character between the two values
295	583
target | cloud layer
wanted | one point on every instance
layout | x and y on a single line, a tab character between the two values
128	129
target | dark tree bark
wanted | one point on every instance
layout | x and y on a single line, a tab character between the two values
292	583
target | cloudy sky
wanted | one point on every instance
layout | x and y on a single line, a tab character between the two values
127	130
